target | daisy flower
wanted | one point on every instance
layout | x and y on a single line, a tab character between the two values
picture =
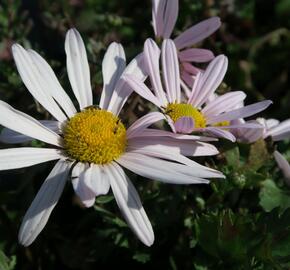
164	16
92	145
198	113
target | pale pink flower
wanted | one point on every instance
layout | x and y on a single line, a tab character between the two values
283	165
198	113
93	144
164	16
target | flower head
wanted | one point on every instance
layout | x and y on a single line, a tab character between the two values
199	113
92	144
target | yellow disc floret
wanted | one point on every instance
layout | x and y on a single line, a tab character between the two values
94	136
176	111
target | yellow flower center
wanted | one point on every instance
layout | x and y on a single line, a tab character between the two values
222	124
176	111
94	136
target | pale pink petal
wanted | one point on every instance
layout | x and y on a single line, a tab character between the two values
122	91
196	55
142	123
284	166
158	7
184	125
150	132
184	87
10	136
188	79
170	17
184	147
175	173
78	68
170	69
25	124
33	80
220	133
270	123
280	131
249	135
197	33
241	112
189	68
223	103
141	89
113	65
130	204
151	58
208	82
46	199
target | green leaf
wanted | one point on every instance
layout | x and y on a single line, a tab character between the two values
142	257
272	196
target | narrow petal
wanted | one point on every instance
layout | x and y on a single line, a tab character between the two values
224	103
283	165
142	123
78	68
185	147
153	168
170	17
279	132
130	204
113	65
241	112
15	158
122	91
209	81
170	68
151	59
196	55
248	135
220	133
10	136
25	124
141	89
197	33
184	125
52	85
46	199
34	81
158	7
151	132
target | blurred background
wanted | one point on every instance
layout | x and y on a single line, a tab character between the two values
240	223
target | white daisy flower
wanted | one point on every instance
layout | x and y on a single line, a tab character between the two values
198	113
93	144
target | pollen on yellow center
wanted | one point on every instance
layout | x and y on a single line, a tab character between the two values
222	124
177	110
94	136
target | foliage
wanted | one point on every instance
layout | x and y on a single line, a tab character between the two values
242	222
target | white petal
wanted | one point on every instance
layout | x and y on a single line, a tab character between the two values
220	133
130	204
25	124
142	123
51	84
283	165
142	90
224	103
113	65
99	182
279	132
10	136
170	68
46	199
241	112
187	147
151	58
123	90
209	81
33	80
164	171
78	68
21	157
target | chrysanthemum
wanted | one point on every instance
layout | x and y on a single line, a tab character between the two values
92	143
198	113
164	16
